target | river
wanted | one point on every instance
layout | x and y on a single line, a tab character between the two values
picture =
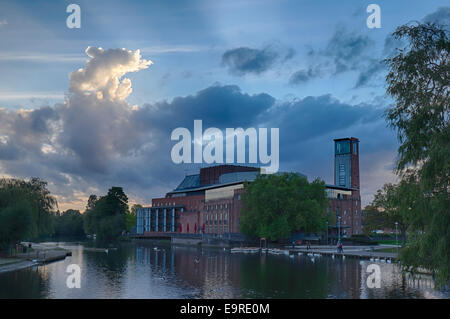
158	270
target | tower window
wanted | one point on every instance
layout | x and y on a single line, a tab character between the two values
341	174
355	148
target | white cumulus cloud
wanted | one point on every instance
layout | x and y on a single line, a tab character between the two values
102	75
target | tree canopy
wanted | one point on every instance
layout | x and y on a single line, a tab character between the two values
106	216
418	80
69	223
26	202
276	205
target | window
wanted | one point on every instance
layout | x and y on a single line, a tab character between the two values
355	148
341	174
343	147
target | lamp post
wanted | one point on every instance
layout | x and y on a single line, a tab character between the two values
327	232
396	235
339	229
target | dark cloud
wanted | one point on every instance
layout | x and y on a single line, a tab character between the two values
303	76
371	71
244	60
218	106
440	16
345	51
348	50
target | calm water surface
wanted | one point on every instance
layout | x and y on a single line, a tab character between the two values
155	270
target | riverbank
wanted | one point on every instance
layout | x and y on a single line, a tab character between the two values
38	254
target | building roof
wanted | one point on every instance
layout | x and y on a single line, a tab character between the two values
189	181
238	177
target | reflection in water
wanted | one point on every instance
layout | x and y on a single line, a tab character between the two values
156	270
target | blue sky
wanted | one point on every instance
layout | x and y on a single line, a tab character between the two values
309	67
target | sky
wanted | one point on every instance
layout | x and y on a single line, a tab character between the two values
93	107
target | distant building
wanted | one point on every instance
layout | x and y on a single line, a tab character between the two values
210	202
345	193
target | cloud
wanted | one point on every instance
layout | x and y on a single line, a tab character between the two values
93	141
161	49
104	70
30	95
303	76
440	16
3	23
370	72
345	51
42	57
243	60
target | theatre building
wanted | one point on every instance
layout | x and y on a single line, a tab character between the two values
210	202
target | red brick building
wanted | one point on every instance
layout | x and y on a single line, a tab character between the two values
209	202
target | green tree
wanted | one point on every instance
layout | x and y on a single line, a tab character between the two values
69	223
418	80
106	216
398	204
15	223
276	205
36	194
374	219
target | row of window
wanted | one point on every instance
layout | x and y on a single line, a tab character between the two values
216	207
215	219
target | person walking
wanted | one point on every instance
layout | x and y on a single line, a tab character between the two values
340	247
